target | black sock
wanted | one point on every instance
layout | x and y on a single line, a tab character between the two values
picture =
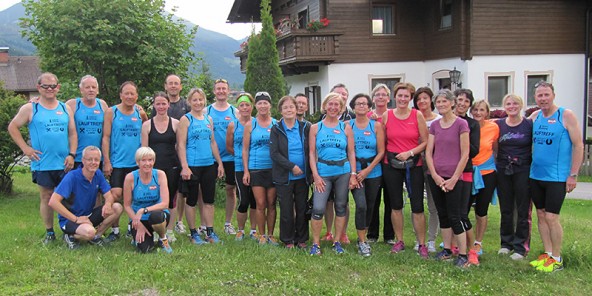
49	230
462	256
448	251
209	230
193	231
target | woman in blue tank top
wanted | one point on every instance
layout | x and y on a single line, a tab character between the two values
234	146
257	166
159	133
333	163
198	155
145	199
369	145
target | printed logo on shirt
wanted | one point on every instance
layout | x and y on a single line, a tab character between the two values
227	118
134	119
552	121
153	187
59	112
336	131
367	133
97	112
268	130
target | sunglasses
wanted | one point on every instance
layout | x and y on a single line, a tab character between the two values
221	80
543	83
48	86
263	95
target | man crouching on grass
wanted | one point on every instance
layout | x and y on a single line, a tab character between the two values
74	200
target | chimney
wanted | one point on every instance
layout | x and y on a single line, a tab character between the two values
4	55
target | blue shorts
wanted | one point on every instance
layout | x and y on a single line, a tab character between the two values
96	218
48	179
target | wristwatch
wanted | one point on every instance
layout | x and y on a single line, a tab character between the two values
574	175
145	210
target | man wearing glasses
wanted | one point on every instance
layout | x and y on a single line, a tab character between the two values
78	216
301	106
222	114
53	142
557	153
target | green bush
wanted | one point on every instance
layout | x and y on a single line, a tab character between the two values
10	153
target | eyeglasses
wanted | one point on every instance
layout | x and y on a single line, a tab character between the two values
360	104
48	86
92	159
381	95
221	80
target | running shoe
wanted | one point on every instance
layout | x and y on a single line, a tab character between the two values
504	251
164	244
473	258
540	260
180	228
213	238
422	250
364	249
517	256
315	250
240	235
171	236
272	241
254	236
196	239
290	246
71	242
262	240
462	262
443	256
478	249
229	229
49	237
202	230
391	241
455	251
398	247
551	265
337	248
432	247
327	237
302	246
345	239
112	237
371	240
97	241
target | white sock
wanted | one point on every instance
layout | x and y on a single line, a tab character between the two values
115	230
227	223
253	231
557	258
477	243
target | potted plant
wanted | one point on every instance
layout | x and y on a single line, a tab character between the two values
315	25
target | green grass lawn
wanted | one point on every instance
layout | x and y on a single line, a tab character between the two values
244	268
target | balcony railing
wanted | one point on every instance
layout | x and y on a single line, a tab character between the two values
302	49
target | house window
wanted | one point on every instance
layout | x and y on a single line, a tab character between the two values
497	87
383	19
303	18
445	14
313	93
531	80
390	82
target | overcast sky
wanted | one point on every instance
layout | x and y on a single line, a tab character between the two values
208	14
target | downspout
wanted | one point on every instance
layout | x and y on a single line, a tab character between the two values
586	73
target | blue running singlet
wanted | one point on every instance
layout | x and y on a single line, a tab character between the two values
366	148
199	136
221	120
49	134
145	195
331	145
259	157
239	131
551	148
89	126
125	138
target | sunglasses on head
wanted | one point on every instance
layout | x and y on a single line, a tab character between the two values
48	86
221	80
542	83
262	94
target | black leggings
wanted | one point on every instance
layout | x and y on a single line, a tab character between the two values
155	218
394	179
245	194
483	197
365	199
450	205
203	178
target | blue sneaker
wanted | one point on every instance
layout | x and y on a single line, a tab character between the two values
196	239
213	238
315	250
112	237
49	237
337	248
164	244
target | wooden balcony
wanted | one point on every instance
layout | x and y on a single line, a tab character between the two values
301	51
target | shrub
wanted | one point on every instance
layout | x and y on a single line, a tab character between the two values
10	153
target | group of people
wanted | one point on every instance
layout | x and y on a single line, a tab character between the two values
162	167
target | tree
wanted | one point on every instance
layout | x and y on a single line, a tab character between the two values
116	41
10	153
263	70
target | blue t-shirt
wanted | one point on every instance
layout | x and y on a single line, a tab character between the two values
295	148
48	130
126	133
199	142
331	145
239	131
79	194
365	143
259	156
89	126
551	148
145	195
221	120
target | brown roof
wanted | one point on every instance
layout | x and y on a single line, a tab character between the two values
21	73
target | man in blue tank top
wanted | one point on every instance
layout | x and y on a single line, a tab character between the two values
557	153
53	142
222	114
89	114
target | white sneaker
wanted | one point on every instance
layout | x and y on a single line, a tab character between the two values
391	242
431	246
503	251
180	228
202	230
229	229
517	256
416	247
155	236
171	236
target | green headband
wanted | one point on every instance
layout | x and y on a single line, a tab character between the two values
243	98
